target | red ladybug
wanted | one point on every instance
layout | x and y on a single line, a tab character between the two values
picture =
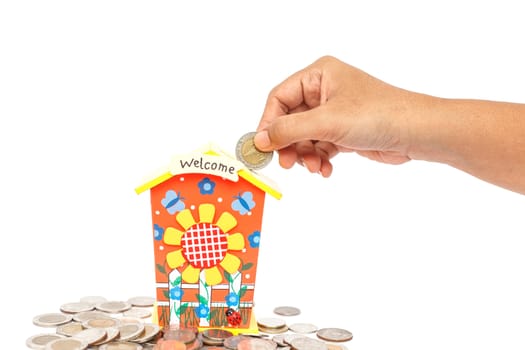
234	317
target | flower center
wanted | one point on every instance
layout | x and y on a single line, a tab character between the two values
204	245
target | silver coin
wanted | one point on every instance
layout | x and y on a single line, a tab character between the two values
137	312
287	311
76	307
151	330
113	307
67	344
111	334
90	315
120	345
129	331
93	299
249	155
39	341
289	337
250	343
69	329
303	328
101	323
336	346
306	343
334	334
271	322
52	319
141	301
273	330
91	335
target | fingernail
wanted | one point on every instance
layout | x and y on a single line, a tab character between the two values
262	140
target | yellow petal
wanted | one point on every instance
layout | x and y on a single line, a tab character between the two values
236	241
231	263
213	276
185	219
206	212
226	222
172	236
175	259
191	274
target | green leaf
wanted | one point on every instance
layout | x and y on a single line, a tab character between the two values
246	267
242	291
183	308
161	268
201	299
228	276
166	293
176	281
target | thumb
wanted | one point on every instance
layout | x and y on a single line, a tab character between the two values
292	128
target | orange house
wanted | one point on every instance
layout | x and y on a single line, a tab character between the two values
207	211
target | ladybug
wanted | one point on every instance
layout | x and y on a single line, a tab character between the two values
234	317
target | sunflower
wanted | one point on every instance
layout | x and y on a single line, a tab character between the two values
204	245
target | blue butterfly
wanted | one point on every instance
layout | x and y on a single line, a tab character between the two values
243	203
173	202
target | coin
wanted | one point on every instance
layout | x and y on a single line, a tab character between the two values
101	323
137	312
39	341
91	335
111	334
232	342
120	345
141	301
216	334
250	343
52	319
76	307
92	299
185	336
249	155
129	331
69	329
334	334
90	315
150	331
305	343
67	344
271	322
287	311
113	307
303	328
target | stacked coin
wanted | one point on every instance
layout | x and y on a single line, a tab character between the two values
96	323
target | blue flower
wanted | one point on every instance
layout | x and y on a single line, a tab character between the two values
202	311
206	186
176	293
254	239
232	299
158	232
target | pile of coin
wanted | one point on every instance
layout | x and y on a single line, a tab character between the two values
96	323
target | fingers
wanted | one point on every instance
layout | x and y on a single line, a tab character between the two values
314	156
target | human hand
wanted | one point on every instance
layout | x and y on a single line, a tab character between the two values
331	107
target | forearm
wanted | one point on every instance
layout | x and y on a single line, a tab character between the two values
483	138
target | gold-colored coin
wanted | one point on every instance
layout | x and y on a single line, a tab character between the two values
249	155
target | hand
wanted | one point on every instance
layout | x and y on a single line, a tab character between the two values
331	107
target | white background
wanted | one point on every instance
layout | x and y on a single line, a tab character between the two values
95	95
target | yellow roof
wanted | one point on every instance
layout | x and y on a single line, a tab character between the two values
232	169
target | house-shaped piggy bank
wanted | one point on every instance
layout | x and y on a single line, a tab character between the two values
207	211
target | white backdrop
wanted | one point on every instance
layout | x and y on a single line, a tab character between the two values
96	95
